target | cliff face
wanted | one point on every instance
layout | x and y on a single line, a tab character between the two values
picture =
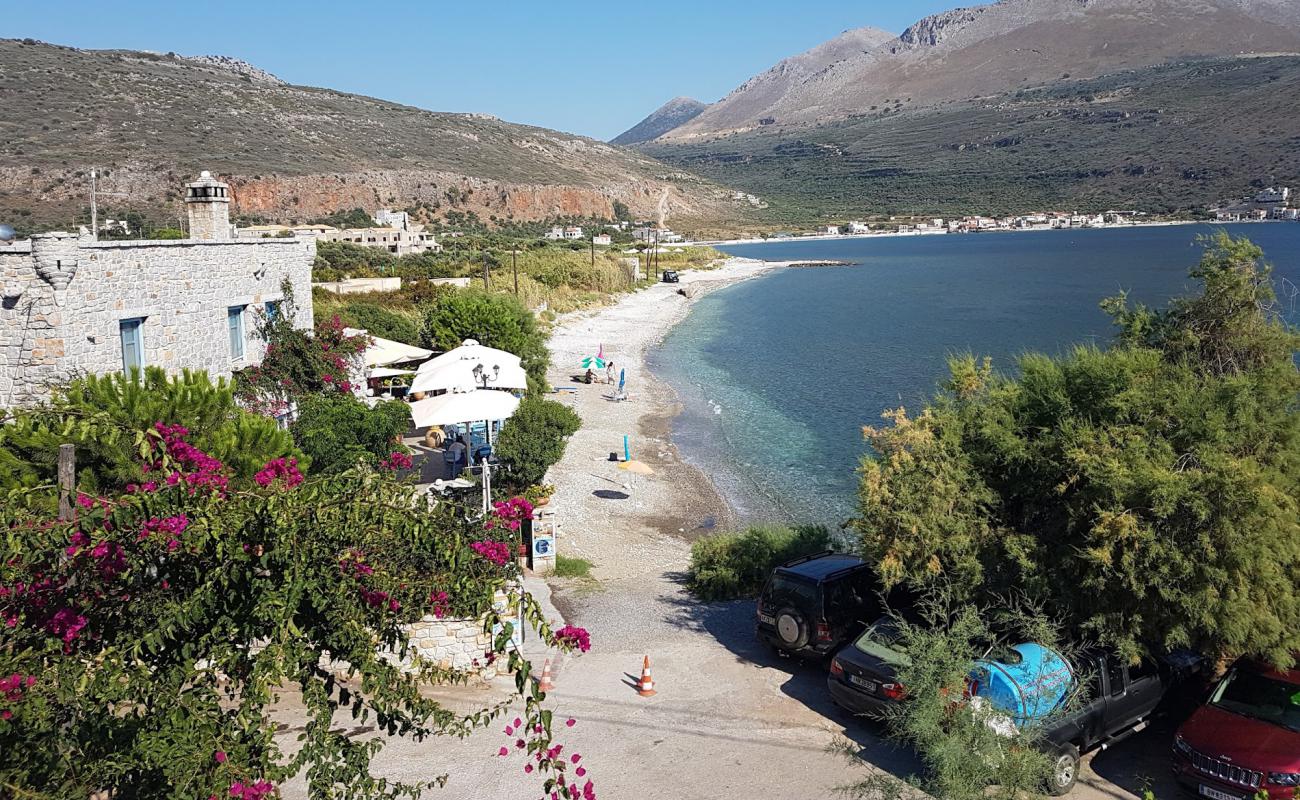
151	122
984	50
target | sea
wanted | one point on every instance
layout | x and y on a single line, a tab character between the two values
778	375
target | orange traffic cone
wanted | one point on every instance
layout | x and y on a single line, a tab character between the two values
646	686
545	683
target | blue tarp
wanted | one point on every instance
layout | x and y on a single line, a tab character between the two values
1028	690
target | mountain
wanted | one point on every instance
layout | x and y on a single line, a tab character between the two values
151	121
1176	136
1013	44
674	113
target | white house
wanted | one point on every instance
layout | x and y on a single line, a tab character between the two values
602	240
572	233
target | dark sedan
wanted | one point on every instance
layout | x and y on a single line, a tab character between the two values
863	677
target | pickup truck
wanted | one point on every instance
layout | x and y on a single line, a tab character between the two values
1119	701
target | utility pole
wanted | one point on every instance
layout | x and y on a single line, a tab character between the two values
94	209
486	287
593	249
514	267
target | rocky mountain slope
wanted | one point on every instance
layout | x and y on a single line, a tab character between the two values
986	50
1173	137
673	114
150	122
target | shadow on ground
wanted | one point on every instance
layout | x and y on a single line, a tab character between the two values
731	624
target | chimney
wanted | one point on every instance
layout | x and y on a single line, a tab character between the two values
208	201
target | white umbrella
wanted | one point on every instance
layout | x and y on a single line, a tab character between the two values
459	376
460	407
471	350
388	372
382	352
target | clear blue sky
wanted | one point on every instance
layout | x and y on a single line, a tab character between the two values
594	68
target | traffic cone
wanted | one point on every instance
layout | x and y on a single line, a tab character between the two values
544	683
646	686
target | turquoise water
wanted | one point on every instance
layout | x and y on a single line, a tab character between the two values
778	374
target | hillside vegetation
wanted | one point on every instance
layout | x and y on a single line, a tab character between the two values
1165	138
152	121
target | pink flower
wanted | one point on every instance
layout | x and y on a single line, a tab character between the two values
569	723
220	756
397	461
85	501
580	771
279	469
573	637
496	552
503	752
528	767
66	624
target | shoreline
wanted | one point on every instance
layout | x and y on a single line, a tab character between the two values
828	237
629	526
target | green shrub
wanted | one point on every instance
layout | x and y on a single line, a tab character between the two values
379	321
495	320
726	566
102	416
534	438
337	431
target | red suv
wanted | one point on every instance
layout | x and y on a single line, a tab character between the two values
1245	739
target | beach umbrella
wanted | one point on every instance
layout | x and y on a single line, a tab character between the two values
388	372
471	350
636	467
458	408
383	352
597	361
458	376
622	379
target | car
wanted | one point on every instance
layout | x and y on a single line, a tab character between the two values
670	276
863	676
1246	738
813	605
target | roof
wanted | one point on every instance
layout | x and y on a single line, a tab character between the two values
821	566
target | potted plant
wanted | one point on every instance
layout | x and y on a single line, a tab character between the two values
540	494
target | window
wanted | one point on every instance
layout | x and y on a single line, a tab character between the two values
132	344
272	310
235	321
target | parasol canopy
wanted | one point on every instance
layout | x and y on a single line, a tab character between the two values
458	376
471	350
636	467
460	407
383	352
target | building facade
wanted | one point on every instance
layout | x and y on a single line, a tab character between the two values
70	305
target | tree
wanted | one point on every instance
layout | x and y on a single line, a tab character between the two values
377	320
534	438
495	320
1149	494
146	640
90	412
338	431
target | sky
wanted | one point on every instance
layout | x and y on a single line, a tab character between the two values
592	68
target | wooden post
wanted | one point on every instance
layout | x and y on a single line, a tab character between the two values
514	267
67	479
485	270
593	249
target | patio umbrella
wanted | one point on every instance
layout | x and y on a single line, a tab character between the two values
458	376
383	352
457	408
471	350
388	372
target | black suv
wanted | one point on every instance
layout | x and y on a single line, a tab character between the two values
813	605
670	276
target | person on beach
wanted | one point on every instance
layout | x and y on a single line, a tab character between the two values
610	373
589	378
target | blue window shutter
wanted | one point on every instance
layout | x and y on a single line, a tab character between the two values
132	345
235	319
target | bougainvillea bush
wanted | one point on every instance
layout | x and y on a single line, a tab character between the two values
144	642
299	362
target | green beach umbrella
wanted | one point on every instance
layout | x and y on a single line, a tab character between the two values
597	361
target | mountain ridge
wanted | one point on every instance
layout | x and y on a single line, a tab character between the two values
673	114
989	49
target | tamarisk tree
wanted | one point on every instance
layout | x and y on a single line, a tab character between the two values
145	641
1147	494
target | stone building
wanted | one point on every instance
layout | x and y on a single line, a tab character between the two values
71	305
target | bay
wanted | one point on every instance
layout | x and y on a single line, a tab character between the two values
778	375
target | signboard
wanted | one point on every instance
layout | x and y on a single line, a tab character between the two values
543	545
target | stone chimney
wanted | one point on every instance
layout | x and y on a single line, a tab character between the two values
208	201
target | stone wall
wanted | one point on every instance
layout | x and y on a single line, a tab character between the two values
455	644
63	304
